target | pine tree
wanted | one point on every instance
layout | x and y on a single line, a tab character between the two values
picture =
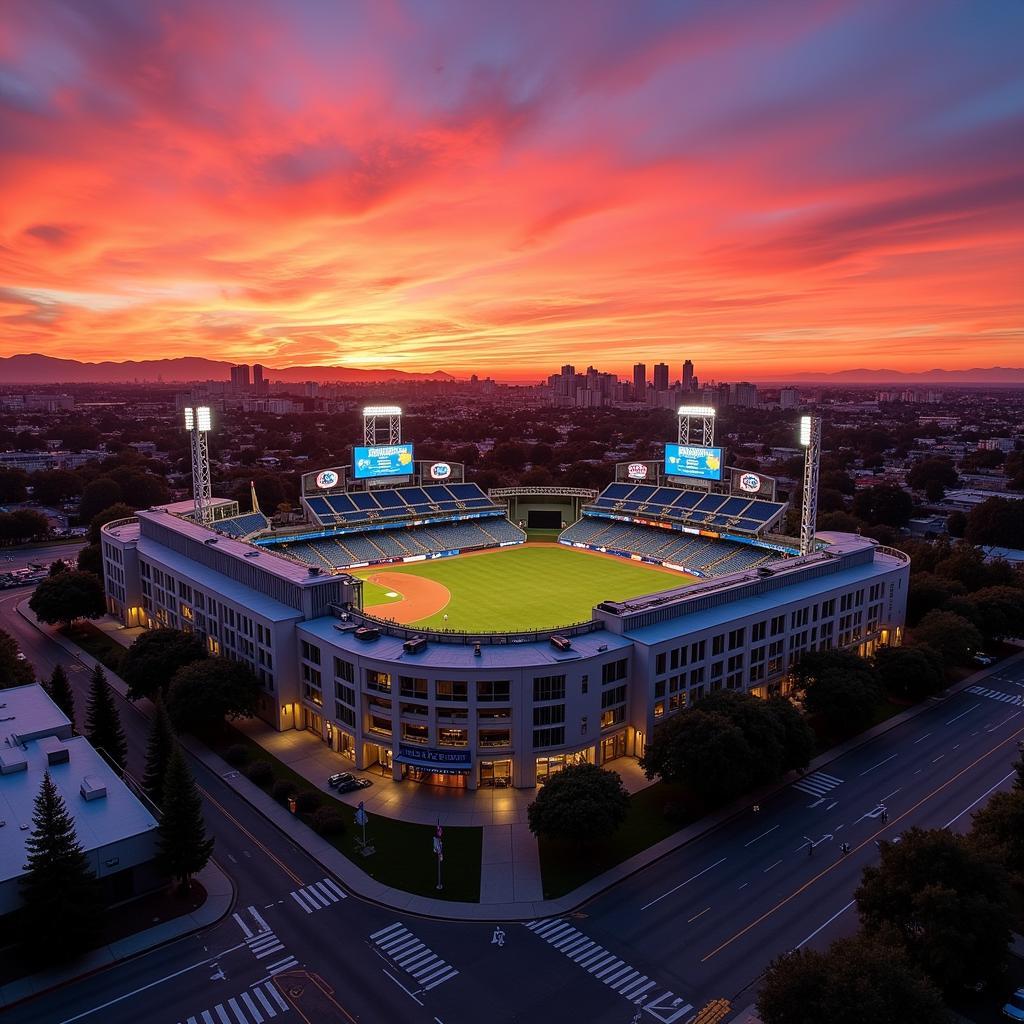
60	692
158	753
184	847
102	722
1018	766
62	904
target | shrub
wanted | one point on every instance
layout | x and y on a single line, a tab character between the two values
328	822
238	755
283	789
261	772
307	801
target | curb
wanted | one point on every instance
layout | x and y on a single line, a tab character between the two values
364	886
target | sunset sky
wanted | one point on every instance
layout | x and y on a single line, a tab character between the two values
761	186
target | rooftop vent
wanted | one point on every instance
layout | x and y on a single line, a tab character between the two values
414	645
314	570
367	633
93	787
56	752
12	761
211	540
561	643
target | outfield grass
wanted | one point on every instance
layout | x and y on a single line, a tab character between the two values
525	588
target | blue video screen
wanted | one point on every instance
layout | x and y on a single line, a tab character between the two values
693	461
382	460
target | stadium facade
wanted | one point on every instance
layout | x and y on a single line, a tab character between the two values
469	709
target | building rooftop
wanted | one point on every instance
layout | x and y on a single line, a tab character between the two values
27	711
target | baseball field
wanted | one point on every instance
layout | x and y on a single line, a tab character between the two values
533	586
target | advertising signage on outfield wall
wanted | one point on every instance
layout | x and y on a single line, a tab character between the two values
693	461
382	460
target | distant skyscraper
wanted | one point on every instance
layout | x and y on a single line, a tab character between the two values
568	385
688	375
257	379
661	376
240	376
744	394
640	382
789	398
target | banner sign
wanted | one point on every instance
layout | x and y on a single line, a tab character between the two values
440	471
693	461
427	757
382	460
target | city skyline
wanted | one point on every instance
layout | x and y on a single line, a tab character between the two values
461	190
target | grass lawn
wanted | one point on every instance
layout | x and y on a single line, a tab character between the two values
404	856
526	588
104	648
564	866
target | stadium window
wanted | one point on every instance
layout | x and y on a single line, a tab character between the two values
548	737
550	714
584	684
495	738
718	644
380	681
698	651
493	690
345	715
413	732
659	664
447	689
412	687
414	709
345	693
380	725
453	737
778	625
736	638
616	696
612	717
659	689
548	688
311	675
659	709
344	670
613	671
758	631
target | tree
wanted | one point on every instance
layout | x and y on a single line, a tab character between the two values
928	592
883	503
946	901
90	559
910	673
150	663
998	828
997	612
998	521
13	485
98	495
933	476
14	670
581	804
184	848
54	486
118	510
840	687
702	749
204	693
61	894
956	524
102	722
59	689
57	567
856	980
69	596
23	525
160	747
953	636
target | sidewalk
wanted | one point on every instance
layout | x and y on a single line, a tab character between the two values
506	894
219	897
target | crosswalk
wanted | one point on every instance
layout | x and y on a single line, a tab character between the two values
1006	698
264	944
318	895
817	783
610	970
260	1003
405	951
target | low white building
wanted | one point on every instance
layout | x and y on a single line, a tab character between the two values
114	828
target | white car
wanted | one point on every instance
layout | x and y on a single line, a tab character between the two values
983	659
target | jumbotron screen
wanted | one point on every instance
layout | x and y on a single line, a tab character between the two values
382	460
693	461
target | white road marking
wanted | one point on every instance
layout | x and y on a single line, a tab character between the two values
761	836
695	916
402	987
962	713
923	738
258	919
775	865
879	765
939	758
980	798
681	884
803	942
241	924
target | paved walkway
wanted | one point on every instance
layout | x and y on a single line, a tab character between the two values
517	899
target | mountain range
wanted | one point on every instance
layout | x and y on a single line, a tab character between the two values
977	375
40	369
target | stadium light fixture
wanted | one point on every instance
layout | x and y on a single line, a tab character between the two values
805	430
382	410
190	418
696	410
203	418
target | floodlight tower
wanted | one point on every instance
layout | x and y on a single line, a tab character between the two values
810	438
382	424
692	415
197	423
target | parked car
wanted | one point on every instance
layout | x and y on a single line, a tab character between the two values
1014	1008
339	779
983	659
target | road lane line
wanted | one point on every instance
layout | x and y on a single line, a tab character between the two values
962	713
838	913
402	987
821	874
938	759
681	884
761	836
980	798
695	916
879	765
893	793
924	737
775	865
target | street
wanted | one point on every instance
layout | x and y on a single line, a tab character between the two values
700	924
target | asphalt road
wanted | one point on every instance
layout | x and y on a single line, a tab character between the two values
700	924
19	558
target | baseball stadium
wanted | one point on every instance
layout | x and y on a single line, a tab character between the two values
438	633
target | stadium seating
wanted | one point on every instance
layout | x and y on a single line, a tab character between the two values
697	508
705	555
347	549
242	526
402	503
